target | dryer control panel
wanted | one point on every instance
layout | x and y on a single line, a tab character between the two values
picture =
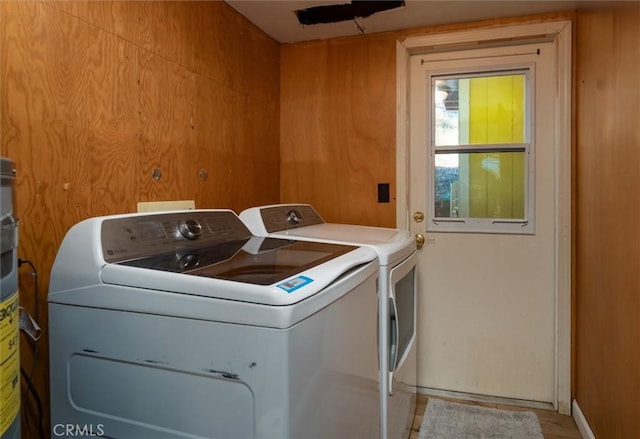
146	235
290	216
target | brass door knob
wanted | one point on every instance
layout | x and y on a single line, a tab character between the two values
420	240
418	216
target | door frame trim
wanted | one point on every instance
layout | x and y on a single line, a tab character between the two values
560	32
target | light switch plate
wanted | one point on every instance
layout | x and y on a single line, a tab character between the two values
383	193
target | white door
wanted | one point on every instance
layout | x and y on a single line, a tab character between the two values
482	190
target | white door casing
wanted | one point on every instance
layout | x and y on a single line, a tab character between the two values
494	310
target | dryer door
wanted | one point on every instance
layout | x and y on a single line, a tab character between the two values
402	327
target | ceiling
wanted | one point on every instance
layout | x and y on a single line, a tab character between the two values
277	19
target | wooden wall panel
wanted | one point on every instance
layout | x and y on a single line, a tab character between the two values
167	94
608	237
338	127
162	30
256	165
217	138
243	58
117	17
94	95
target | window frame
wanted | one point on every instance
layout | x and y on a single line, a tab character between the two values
524	226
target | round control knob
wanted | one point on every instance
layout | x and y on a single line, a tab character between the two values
190	229
294	217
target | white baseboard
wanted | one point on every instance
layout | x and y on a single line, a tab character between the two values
581	422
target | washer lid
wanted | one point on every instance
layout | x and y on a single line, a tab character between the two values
256	260
278	221
390	244
258	270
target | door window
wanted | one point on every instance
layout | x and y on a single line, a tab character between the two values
481	152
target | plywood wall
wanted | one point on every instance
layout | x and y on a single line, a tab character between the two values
338	111
607	284
95	95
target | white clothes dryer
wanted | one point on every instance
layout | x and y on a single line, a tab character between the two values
396	251
184	325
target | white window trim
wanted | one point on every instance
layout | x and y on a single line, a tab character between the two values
560	32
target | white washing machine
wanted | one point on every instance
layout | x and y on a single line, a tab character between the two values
184	325
396	251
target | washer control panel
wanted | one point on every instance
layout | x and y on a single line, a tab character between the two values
294	217
190	229
285	217
147	235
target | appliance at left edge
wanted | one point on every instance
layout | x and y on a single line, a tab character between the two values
9	315
183	324
9	321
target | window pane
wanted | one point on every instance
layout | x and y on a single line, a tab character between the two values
478	110
480	185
